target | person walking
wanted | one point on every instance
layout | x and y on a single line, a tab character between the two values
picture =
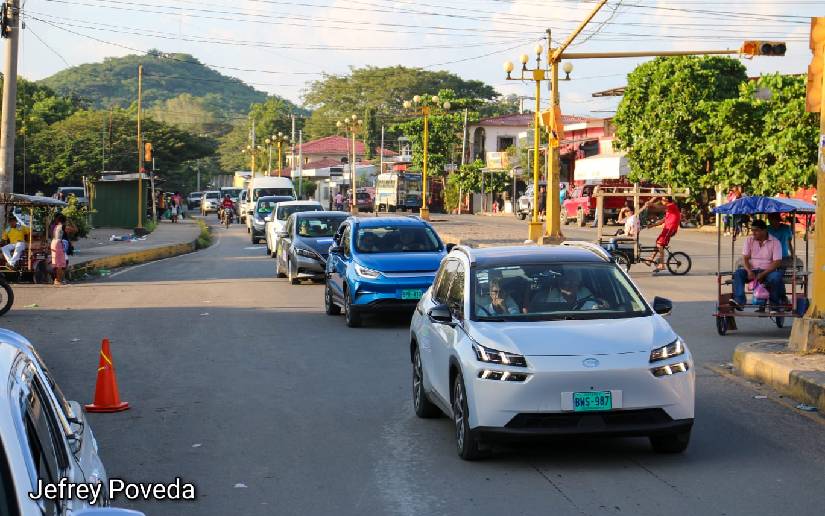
57	248
542	202
339	202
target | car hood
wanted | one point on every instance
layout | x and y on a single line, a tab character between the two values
585	337
402	262
320	245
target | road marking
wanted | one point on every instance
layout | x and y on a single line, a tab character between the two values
127	269
254	247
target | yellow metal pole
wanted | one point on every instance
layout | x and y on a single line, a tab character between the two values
140	149
645	53
553	223
280	167
424	212
534	229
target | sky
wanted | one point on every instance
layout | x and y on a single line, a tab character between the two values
278	45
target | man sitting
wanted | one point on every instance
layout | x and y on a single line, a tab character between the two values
762	258
16	238
631	228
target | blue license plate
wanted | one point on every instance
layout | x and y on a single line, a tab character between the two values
411	293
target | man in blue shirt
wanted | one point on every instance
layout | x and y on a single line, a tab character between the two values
781	232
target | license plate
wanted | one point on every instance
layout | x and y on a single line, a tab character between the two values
590	401
411	293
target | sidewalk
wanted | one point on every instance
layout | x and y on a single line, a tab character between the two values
98	252
802	377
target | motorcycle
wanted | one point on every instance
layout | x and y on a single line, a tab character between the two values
226	216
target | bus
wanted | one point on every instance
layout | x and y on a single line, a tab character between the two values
398	191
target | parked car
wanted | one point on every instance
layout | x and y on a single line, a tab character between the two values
43	437
243	206
380	263
363	201
78	191
263	208
303	246
265	186
276	220
524	205
193	200
210	202
544	341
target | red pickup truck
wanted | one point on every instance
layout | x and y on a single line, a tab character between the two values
581	206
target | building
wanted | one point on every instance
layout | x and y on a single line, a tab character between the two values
582	137
333	148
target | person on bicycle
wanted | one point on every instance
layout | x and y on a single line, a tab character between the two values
670	226
227	204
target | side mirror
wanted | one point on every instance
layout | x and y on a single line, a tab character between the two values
450	247
250	212
268	218
336	249
662	306
282	234
440	314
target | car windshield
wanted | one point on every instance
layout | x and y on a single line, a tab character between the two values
362	196
265	207
285	211
231	192
319	227
262	192
77	192
397	239
213	195
554	291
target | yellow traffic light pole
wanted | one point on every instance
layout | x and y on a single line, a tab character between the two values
807	334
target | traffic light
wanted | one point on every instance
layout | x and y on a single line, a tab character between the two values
763	48
813	100
147	154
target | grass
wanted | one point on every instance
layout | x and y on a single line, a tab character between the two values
150	226
205	237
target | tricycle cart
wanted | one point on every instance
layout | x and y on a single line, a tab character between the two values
34	212
795	270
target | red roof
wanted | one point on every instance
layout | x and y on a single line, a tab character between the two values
336	145
525	120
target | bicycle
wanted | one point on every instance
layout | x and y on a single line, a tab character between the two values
226	217
678	263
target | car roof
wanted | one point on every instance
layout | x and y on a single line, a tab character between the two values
212	191
301	214
523	254
299	203
390	220
277	198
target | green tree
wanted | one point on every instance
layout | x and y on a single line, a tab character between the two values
656	118
766	146
193	114
72	148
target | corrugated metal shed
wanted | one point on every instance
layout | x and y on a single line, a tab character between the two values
115	201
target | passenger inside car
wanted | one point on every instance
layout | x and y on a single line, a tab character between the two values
570	291
501	300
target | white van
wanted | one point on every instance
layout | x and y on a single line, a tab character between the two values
260	186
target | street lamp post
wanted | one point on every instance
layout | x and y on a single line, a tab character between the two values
279	140
537	74
252	152
425	107
352	125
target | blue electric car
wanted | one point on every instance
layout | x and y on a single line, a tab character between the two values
381	263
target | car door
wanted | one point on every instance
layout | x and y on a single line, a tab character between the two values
44	442
337	263
284	243
445	336
426	334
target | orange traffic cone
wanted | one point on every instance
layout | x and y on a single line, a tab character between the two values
107	398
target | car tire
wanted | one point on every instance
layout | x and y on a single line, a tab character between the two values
424	408
6	296
670	443
466	440
254	240
522	215
580	220
350	312
329	304
290	274
563	217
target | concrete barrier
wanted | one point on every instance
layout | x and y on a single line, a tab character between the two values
131	258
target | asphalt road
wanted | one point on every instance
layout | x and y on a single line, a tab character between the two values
239	383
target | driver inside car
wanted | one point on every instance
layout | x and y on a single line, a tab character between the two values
570	291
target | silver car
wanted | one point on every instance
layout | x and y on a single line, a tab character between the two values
303	246
44	437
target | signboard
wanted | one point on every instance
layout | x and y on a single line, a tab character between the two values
596	168
498	161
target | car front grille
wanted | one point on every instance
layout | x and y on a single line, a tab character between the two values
588	420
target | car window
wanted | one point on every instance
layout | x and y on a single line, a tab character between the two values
319	227
345	241
445	276
213	195
552	291
285	211
261	192
397	239
8	498
455	296
264	207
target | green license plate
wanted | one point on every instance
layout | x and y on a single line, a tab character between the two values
590	401
411	293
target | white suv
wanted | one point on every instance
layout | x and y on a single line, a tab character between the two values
543	341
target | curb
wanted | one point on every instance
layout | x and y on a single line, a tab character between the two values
801	377
132	258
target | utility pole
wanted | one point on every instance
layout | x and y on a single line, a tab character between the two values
381	168
292	144
464	140
198	189
300	163
140	148
11	31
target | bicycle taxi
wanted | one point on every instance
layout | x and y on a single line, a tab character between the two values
631	251
33	212
795	270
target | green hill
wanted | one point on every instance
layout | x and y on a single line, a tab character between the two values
165	76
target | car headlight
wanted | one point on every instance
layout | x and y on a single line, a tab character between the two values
365	272
674	349
306	252
670	369
493	356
